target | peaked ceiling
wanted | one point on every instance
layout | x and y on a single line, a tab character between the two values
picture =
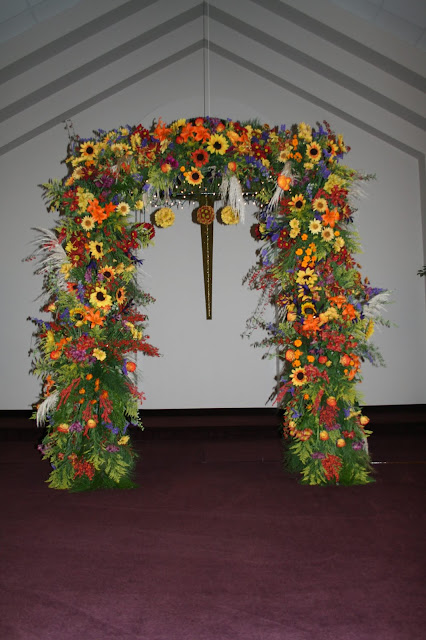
307	47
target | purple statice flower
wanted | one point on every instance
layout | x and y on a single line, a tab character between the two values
147	186
76	427
265	135
357	446
295	414
283	128
347	412
317	455
112	448
65	314
80	291
323	170
114	430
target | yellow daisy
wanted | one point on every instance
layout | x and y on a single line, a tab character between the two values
99	354
123	208
77	315
315	226
308	309
320	204
89	150
297	202
327	234
87	223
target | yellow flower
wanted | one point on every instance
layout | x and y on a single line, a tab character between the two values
88	150
65	269
217	144
100	298
297	202
84	197
308	309
305	131
229	216
77	315
327	234
315	227
294	223
294	232
320	204
99	354
339	244
164	217
370	329
298	377
123	208
96	249
88	223
123	440
313	151
194	176
139	205
334	181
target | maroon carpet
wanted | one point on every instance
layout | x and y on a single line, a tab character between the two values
217	543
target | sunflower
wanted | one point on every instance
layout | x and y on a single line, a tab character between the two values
297	202
89	150
298	377
88	223
123	208
217	144
120	295
320	204
200	157
308	309
327	234
108	272
96	249
315	227
100	297
313	151
78	316
194	176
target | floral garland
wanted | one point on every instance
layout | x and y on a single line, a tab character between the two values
89	261
325	311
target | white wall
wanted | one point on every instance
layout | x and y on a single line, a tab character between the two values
207	363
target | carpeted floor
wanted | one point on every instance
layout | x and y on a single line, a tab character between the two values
217	543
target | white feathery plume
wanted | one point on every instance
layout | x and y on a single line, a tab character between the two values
375	306
232	194
50	254
46	406
274	201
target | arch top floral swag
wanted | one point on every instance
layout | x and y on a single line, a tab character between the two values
325	310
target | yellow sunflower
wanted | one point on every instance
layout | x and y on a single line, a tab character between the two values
123	209
313	151
108	272
120	295
88	223
297	202
96	249
77	315
217	144
89	150
298	377
308	309
100	298
194	176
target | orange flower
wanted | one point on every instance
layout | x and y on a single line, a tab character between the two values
160	131
330	217
311	323
98	213
349	312
94	317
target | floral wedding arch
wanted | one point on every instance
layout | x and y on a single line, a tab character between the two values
325	311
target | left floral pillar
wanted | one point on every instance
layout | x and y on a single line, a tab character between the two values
84	353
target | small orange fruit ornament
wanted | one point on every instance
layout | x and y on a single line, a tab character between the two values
341	443
284	182
323	435
130	366
331	401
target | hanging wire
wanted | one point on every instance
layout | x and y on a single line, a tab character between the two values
206	57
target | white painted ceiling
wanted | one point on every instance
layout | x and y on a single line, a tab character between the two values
405	19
